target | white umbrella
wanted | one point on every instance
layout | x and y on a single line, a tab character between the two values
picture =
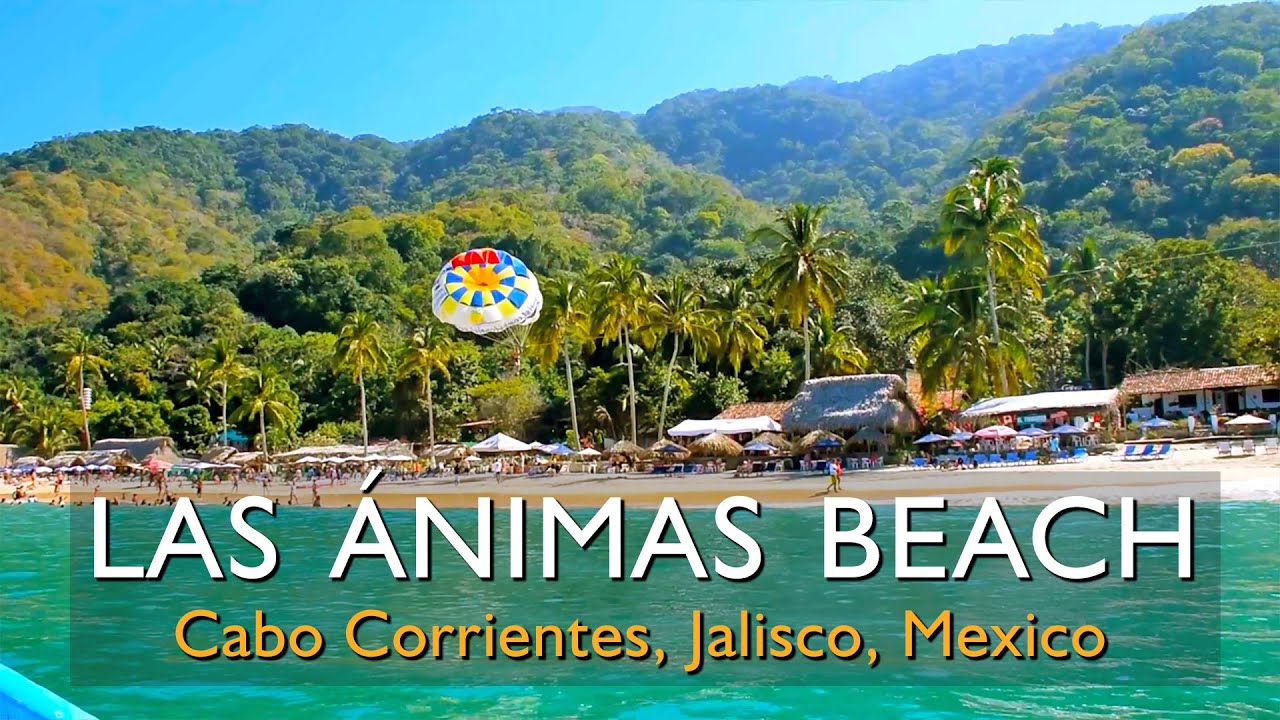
305	459
1247	420
931	438
401	458
589	452
501	443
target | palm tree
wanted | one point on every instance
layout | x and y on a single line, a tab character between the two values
358	352
428	349
81	353
198	383
805	270
15	395
46	428
680	311
562	320
839	353
1083	276
740	333
266	397
620	291
225	368
983	220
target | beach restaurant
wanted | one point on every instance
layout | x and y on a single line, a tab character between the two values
1082	408
1174	393
851	404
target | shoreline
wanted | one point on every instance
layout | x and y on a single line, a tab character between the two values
1190	473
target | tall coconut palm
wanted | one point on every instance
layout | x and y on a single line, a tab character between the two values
224	370
741	335
15	395
1083	276
82	356
679	311
805	269
46	428
358	352
983	220
266	397
429	349
198	384
620	292
562	320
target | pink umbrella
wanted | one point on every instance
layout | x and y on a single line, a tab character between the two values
996	432
157	465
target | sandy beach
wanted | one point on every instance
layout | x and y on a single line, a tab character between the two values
1192	471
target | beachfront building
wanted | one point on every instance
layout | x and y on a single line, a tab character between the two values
853	403
1180	393
1085	409
772	409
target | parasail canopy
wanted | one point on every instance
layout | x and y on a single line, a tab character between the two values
486	291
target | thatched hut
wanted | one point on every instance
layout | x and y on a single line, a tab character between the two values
628	449
142	449
851	402
774	439
715	445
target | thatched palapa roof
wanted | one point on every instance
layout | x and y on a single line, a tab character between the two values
808	440
715	445
140	449
628	448
774	439
668	448
852	402
772	409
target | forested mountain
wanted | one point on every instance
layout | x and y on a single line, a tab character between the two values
879	138
1174	132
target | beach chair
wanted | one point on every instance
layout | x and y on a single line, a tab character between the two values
918	462
1063	454
1030	456
1163	451
1273	445
1011	458
1130	451
1249	448
1224	449
1079	454
980	459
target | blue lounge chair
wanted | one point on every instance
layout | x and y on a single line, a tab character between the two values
918	462
1063	454
1147	451
1079	454
980	459
1165	449
1011	458
1029	456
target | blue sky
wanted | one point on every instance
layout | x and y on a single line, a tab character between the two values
410	69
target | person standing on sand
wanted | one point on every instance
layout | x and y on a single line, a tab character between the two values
839	471
831	476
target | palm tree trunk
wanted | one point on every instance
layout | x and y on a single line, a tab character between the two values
431	418
666	389
1106	382
364	422
995	327
224	413
84	413
807	369
1087	380
262	428
631	383
573	403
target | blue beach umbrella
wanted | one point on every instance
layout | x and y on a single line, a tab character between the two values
1067	430
763	447
1033	432
1156	422
932	438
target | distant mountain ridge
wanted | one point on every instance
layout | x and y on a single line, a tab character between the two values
1170	129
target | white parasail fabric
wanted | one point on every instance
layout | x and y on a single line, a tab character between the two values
737	426
1061	400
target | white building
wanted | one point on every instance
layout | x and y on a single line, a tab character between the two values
1178	393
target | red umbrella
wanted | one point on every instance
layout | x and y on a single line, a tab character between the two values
157	465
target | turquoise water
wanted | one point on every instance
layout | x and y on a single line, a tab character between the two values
37	582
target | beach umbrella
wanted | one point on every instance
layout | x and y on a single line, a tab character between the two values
666	447
1067	430
501	443
43	470
589	452
759	446
996	432
1247	420
1033	432
828	443
931	438
774	439
962	436
715	445
401	458
557	449
157	465
628	448
811	440
1156	422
